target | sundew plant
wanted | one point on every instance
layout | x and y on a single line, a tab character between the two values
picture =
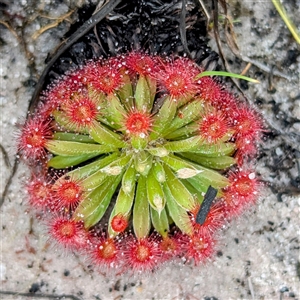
122	152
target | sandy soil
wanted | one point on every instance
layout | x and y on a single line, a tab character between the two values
258	257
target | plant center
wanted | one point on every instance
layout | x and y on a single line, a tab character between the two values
67	230
107	250
142	253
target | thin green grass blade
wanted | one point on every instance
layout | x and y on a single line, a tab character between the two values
291	26
226	74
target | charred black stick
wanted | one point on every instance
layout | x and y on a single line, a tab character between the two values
206	204
182	29
39	295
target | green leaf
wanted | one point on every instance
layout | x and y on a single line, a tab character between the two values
66	124
93	167
185	115
189	144
61	162
160	221
142	95
141	211
143	162
177	163
152	83
129	179
177	213
139	142
207	176
216	150
123	207
124	202
155	192
66	148
114	112
158	151
163	118
159	172
198	193
178	191
118	165
218	163
183	132
94	180
125	92
103	135
73	137
94	206
198	184
113	169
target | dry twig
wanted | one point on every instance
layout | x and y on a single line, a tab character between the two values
64	17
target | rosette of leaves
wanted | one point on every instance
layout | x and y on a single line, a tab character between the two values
137	140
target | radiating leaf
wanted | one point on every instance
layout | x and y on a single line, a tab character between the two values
184	145
129	178
185	115
178	191
105	136
160	221
216	150
61	162
159	171
113	169
66	148
66	124
155	192
164	117
177	213
142	95
94	206
123	207
93	167
73	137
218	163
141	210
143	162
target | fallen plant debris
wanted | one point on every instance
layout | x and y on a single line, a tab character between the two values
39	295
